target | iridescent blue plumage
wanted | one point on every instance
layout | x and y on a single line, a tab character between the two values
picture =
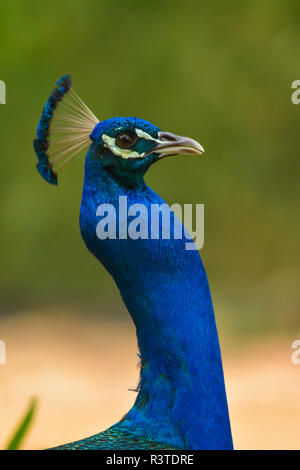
112	439
181	401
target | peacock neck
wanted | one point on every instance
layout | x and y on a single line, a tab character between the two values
181	399
181	395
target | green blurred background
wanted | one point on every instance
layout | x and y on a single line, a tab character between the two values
220	72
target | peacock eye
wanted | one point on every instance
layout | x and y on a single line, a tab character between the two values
126	139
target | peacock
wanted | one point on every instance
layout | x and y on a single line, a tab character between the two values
181	401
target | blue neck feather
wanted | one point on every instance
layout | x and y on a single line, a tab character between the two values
182	398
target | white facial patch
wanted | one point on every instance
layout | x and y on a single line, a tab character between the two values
144	135
110	142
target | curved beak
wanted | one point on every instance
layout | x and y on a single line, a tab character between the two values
172	144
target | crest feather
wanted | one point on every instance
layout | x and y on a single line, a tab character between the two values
64	129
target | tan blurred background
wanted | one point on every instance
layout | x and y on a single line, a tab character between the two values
219	72
81	373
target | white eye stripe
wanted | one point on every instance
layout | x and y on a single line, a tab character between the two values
144	135
110	142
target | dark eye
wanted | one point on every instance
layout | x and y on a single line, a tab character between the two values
126	139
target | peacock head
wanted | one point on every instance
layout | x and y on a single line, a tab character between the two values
125	147
128	146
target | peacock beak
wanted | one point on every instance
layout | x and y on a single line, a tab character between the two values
172	144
